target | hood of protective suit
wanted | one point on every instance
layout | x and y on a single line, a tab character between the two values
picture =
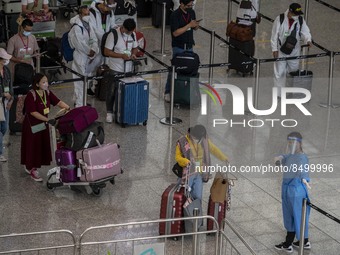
76	20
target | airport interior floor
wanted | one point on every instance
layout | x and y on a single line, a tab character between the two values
148	152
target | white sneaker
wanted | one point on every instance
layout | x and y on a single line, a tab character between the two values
167	98
109	118
2	158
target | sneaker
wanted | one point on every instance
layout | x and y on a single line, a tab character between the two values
109	118
2	158
284	247
167	98
27	171
35	175
90	92
307	245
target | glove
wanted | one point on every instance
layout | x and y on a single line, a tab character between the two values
306	183
52	122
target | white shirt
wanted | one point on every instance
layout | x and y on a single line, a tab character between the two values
26	2
124	43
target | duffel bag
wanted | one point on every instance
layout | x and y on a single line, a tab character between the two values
239	32
77	120
86	139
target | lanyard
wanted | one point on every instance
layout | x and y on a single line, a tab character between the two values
187	18
44	101
126	42
25	45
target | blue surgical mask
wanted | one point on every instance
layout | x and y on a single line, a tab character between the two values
25	33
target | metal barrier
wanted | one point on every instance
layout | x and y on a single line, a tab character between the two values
23	242
224	241
305	202
152	239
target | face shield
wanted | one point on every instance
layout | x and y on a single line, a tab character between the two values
293	145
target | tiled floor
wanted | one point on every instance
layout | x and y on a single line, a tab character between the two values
148	153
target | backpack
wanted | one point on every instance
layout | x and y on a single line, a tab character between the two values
66	49
115	36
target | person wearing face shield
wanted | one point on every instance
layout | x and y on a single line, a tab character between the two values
23	45
281	31
84	41
6	91
193	154
35	139
295	185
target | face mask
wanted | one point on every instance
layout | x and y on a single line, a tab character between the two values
6	62
44	86
25	33
295	17
111	6
86	19
125	34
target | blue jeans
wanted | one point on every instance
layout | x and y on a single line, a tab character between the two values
3	129
196	185
175	51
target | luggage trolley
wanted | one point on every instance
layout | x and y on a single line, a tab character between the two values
92	187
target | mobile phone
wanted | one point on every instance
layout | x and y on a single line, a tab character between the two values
198	20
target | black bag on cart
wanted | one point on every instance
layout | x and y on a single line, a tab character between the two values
52	47
157	7
236	59
144	8
23	78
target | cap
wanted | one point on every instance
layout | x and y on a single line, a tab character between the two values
4	54
185	2
295	8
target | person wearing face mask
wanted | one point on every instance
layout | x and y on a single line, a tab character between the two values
6	91
35	139
182	23
83	39
293	24
23	45
295	185
125	49
193	154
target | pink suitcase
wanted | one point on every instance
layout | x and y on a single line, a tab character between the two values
66	159
77	120
99	162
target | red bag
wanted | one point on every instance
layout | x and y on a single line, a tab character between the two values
141	43
77	120
239	32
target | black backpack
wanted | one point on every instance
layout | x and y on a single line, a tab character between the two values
186	63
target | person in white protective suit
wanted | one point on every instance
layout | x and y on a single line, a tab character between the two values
82	38
285	27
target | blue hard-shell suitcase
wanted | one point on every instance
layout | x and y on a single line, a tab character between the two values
132	101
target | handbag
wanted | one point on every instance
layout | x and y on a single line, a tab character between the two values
290	43
177	170
2	111
239	32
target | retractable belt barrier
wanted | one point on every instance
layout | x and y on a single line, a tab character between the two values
328	5
323	212
320	55
337	53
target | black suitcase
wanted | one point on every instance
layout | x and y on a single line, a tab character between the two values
236	58
144	8
157	7
186	63
186	91
14	127
102	84
23	78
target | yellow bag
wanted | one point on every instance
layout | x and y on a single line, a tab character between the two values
219	189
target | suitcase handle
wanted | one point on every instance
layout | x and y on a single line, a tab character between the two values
304	66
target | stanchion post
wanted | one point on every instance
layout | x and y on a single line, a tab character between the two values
229	11
38	62
211	60
171	120
162	52
306	10
257	85
330	83
303	226
85	90
195	242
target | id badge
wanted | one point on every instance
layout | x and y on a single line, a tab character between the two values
286	34
46	111
127	52
27	56
6	89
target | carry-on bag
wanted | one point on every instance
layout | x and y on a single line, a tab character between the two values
218	211
239	32
237	59
99	162
188	211
132	101
300	79
157	7
13	125
144	8
88	138
172	202
23	78
77	120
186	91
186	63
66	160
102	84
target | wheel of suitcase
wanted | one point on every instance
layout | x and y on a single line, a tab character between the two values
97	191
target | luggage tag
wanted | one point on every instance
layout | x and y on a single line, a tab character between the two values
46	111
286	34
57	173
188	202
78	172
